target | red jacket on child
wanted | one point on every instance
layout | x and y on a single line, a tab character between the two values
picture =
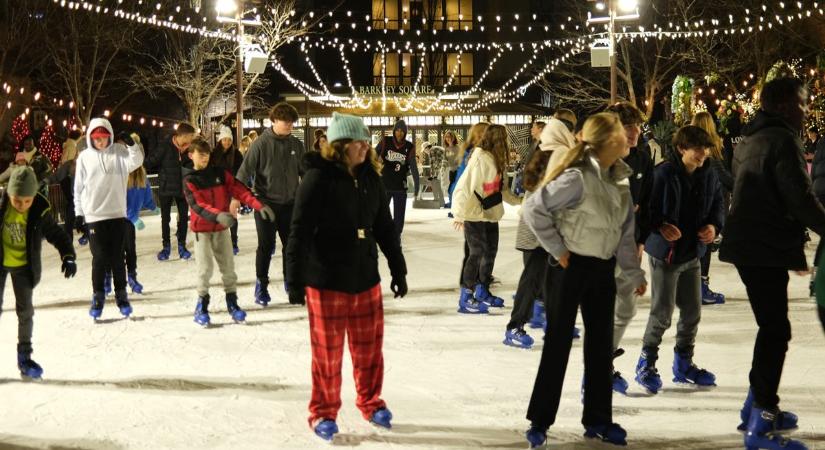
208	192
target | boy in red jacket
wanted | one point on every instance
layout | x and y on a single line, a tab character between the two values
208	191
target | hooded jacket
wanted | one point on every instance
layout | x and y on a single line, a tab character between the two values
39	225
230	160
208	192
337	221
101	176
275	163
641	187
399	160
773	201
137	199
169	164
480	180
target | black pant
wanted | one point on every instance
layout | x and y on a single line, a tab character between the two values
591	283
767	289
399	208
107	240
233	232
705	263
530	286
166	217
130	250
482	242
21	282
822	316
266	239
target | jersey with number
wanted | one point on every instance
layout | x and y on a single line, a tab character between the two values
396	157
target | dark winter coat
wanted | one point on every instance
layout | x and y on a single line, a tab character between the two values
773	200
722	173
687	201
230	160
275	164
818	170
209	192
641	184
399	161
39	225
336	223
168	163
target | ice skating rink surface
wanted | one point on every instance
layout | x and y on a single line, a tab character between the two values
159	381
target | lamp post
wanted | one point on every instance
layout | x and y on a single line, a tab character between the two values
613	7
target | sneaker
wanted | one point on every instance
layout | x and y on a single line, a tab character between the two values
97	305
469	305
238	315
538	319
136	287
183	252
202	311
761	432
261	293
382	417
107	284
326	429
123	303
647	375
483	294
786	421
612	433
517	337
684	371
163	254
536	436
28	368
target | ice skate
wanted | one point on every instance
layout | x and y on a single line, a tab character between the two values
786	421
262	293
123	303
647	375
612	433
163	254
684	371
326	429
761	433
382	418
469	305
134	285
202	311
536	436
29	370
620	385
238	315
519	338
709	297
183	252
483	295
539	319
97	305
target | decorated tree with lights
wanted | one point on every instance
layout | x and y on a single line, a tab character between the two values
20	129
49	146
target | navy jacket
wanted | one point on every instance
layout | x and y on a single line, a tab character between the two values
673	188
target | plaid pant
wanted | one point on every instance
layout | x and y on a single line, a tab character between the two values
333	314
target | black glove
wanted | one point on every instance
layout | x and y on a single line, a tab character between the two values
69	268
126	138
398	286
296	295
79	223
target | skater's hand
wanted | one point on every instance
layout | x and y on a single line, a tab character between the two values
564	260
296	295
79	223
641	251
640	291
69	268
226	220
267	214
234	205
156	211
707	234
139	225
398	286
458	225
670	232
126	138
803	273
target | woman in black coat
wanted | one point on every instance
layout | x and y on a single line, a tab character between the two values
340	214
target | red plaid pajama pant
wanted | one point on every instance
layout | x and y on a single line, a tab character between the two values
332	315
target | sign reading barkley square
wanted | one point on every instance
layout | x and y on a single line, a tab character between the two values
378	90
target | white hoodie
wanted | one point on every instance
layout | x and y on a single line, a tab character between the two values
101	177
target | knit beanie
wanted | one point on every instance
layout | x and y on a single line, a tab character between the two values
23	182
345	126
225	133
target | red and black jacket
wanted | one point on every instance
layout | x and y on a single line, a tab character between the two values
208	192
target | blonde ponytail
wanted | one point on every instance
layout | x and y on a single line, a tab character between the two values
596	133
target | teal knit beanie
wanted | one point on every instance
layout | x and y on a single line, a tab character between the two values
23	182
345	126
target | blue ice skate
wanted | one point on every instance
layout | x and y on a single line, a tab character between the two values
469	305
84	240
709	297
612	433
238	315
123	305
97	305
786	421
235	250
262	293
536	436
28	368
517	337
382	417
483	295
577	333
326	430
134	285
684	371
647	375
183	252
761	433
539	319
163	254
202	311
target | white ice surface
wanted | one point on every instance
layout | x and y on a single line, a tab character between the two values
162	382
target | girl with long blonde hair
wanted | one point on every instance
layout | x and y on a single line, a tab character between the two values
583	217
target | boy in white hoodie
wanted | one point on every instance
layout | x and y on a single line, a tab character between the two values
100	201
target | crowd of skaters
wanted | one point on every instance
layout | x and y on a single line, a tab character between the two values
593	199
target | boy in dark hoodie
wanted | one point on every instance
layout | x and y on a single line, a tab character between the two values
686	214
26	222
274	161
398	156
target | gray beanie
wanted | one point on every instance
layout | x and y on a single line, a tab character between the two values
345	126
23	182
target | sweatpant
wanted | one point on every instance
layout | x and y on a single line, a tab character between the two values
107	239
625	306
673	285
130	249
530	286
589	282
215	246
399	208
332	315
266	239
482	242
767	289
166	217
21	282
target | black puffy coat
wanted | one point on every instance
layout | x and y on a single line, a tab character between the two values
641	185
336	223
39	225
818	170
230	160
773	201
167	161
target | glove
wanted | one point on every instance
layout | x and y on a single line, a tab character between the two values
267	214
139	225
79	223
126	138
296	295
69	268
398	286
226	220
156	211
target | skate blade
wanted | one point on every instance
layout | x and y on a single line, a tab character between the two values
597	442
29	379
690	384
785	432
514	345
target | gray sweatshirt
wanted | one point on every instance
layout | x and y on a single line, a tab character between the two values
276	164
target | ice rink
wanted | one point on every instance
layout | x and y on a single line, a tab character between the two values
160	381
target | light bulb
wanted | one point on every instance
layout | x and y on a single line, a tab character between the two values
226	6
628	5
